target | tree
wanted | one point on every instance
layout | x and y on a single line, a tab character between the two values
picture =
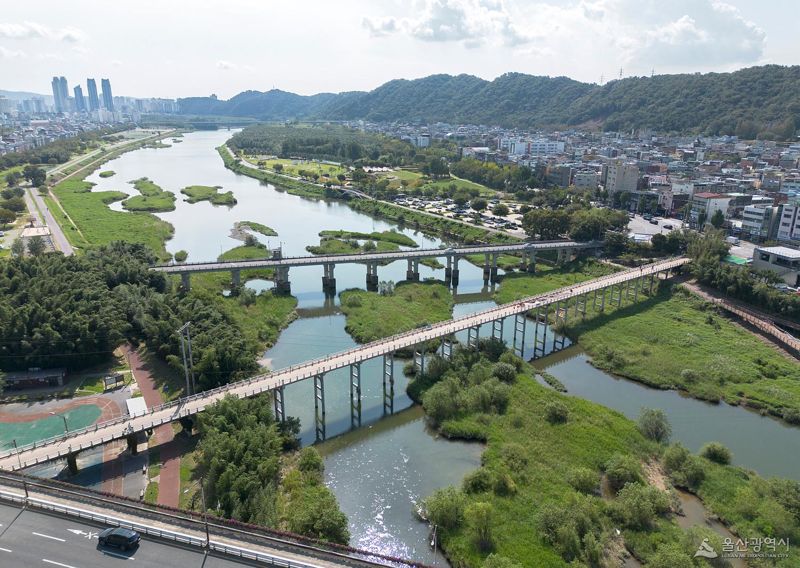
36	245
445	507
653	424
622	469
718	219
277	167
18	247
6	216
478	204
701	220
12	178
501	210
181	256
716	452
36	176
479	517
548	224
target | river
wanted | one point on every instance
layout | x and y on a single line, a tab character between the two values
380	472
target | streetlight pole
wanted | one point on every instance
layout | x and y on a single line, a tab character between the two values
205	513
187	366
64	418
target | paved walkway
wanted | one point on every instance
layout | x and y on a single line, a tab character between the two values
56	234
169	485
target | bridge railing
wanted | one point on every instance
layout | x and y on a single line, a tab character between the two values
350	356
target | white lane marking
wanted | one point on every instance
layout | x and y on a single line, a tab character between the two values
50	537
118	555
6	550
57	563
85	534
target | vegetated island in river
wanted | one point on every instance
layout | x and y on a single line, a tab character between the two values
197	193
107	174
153	198
255	227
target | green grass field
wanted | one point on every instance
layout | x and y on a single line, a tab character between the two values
197	193
371	316
506	262
293	167
100	225
679	341
521	285
416	180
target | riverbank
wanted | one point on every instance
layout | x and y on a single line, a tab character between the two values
428	223
678	341
552	486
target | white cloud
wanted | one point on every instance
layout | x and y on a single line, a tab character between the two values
230	66
471	22
33	30
10	53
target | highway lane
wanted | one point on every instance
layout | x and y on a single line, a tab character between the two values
30	539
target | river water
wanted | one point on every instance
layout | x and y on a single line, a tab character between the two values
381	471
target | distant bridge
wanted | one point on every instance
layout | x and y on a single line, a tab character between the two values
281	266
622	285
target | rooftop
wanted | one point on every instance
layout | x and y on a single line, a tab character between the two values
785	252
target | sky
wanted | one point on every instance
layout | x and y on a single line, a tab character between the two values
179	48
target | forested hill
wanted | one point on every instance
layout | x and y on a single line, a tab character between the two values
755	100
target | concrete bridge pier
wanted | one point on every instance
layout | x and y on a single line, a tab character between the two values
236	277
185	283
473	335
355	395
419	360
388	383
487	268
493	268
497	329
133	443
319	407
328	280
519	331
72	462
532	262
454	274
413	270
372	277
448	271
446	349
282	284
279	404
540	343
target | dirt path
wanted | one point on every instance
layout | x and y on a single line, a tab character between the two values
169	485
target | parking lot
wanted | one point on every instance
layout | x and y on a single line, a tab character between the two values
640	226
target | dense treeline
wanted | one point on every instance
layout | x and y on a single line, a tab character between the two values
581	224
335	143
759	101
58	151
509	177
72	312
241	461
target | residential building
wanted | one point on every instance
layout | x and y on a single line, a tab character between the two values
782	260
706	204
422	141
586	179
80	102
94	101
60	94
789	221
621	176
760	222
108	97
544	147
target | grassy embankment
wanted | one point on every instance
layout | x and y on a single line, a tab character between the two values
677	341
107	174
153	198
197	193
326	172
96	224
547	277
430	224
417	181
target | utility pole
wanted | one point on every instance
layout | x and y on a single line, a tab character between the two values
188	368
19	461
205	512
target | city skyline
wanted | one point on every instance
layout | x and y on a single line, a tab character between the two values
586	40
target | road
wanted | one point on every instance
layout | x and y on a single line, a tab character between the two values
116	429
32	539
56	234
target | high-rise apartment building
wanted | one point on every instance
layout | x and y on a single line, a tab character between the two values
94	101
60	94
108	97
80	102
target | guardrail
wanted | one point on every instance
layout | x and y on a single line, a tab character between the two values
344	358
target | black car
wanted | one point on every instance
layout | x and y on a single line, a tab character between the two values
123	539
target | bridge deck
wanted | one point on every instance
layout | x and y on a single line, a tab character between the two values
371	257
124	426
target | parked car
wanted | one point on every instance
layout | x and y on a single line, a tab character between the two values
124	539
653	221
668	226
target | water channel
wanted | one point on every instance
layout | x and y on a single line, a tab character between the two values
382	470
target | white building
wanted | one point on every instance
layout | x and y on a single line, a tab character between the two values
759	221
586	180
784	261
621	176
544	147
789	222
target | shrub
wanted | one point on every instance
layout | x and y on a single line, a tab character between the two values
556	412
181	256
621	469
684	469
512	359
638	505
479	516
792	416
668	556
716	452
478	481
497	561
506	372
310	462
445	507
653	424
514	456
583	479
504	484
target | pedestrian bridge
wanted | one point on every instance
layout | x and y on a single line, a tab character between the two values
281	266
621	285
